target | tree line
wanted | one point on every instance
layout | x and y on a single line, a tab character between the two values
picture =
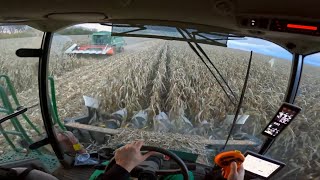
77	31
12	29
18	31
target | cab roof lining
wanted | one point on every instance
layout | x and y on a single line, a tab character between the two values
209	15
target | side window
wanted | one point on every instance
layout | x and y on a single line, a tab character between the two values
299	145
19	87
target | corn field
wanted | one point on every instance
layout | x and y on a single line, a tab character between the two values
167	77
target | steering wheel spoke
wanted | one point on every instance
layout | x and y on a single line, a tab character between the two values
168	172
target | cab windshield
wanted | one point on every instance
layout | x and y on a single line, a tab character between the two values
147	82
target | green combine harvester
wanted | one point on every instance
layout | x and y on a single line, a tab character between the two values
102	43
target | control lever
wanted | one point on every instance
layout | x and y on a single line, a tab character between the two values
17	112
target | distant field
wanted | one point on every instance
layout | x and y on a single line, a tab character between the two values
164	76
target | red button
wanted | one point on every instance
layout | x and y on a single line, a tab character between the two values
166	158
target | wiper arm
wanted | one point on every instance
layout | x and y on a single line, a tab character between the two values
205	55
240	101
198	54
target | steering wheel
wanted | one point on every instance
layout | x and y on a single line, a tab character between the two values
183	168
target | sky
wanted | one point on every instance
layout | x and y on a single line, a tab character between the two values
271	49
96	26
248	44
313	59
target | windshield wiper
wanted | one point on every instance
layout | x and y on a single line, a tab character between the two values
240	101
203	53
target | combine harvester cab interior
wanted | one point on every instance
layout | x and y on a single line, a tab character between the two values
203	83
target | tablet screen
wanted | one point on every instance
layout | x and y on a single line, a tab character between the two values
281	120
259	166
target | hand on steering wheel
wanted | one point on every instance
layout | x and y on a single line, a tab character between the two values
129	156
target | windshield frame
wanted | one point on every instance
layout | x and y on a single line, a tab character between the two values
45	100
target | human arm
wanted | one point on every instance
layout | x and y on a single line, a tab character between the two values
127	158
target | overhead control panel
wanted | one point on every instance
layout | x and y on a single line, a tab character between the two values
280	25
295	27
